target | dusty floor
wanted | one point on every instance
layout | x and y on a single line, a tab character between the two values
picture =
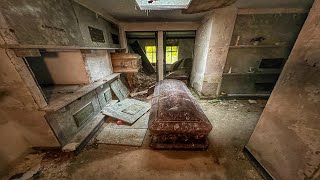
233	123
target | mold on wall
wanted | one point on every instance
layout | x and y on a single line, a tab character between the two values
286	138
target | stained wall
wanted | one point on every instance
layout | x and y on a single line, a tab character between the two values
286	139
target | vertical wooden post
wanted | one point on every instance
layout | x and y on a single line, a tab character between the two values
123	38
160	56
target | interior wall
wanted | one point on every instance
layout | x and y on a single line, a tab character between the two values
21	126
62	23
57	25
59	68
87	18
211	48
186	47
98	64
245	56
286	138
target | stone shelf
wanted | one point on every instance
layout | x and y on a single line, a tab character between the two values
66	99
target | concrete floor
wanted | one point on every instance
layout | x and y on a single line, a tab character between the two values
233	122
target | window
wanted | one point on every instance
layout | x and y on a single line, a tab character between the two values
151	52
171	54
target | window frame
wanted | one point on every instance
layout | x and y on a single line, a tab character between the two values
171	56
153	52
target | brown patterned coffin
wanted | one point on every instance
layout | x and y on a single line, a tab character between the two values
176	120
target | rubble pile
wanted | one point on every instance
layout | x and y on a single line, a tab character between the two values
143	82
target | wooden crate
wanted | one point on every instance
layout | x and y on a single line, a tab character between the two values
125	62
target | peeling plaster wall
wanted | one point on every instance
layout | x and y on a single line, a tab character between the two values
21	125
211	48
286	140
98	64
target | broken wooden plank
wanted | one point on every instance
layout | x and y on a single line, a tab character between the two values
147	66
139	93
27	52
52	47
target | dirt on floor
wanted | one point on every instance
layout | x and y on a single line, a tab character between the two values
233	122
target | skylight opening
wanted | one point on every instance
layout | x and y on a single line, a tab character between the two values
163	4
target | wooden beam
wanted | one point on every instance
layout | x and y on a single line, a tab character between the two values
160	26
272	11
54	47
27	52
123	39
160	56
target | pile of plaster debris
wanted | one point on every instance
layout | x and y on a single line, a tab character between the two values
142	85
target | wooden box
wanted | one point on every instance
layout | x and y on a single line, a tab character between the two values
125	62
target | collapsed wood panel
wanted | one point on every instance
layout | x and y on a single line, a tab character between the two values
176	120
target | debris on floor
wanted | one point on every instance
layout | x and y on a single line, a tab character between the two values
252	101
124	134
222	160
32	173
70	147
129	137
139	93
144	82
